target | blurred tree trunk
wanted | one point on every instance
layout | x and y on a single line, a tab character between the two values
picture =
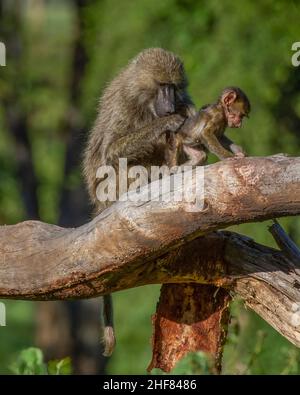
73	328
63	328
16	115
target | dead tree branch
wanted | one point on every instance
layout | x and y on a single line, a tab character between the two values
133	244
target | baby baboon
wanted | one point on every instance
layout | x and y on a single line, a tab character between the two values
204	132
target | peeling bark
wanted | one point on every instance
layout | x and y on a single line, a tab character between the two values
189	318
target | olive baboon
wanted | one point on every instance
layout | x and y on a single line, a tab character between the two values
139	108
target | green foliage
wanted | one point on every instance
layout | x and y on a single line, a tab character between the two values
222	43
194	363
133	309
31	362
18	332
60	367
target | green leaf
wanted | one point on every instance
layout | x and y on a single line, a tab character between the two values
60	367
29	361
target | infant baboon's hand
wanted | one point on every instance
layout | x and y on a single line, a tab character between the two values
240	155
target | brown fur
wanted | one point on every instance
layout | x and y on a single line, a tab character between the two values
204	132
124	110
127	126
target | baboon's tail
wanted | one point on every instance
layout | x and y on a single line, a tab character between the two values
109	339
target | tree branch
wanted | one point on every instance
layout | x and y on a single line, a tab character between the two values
132	244
288	247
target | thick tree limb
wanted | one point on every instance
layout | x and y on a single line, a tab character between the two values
42	261
127	245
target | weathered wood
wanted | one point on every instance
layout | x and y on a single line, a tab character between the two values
41	261
267	283
133	244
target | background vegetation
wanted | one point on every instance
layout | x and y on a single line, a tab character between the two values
60	55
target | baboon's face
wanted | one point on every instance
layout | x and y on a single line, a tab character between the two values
235	108
165	103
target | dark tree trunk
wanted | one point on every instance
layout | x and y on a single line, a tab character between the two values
78	320
16	116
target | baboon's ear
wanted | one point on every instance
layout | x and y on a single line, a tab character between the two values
229	97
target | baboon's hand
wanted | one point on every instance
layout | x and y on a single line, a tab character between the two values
237	150
240	155
174	122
